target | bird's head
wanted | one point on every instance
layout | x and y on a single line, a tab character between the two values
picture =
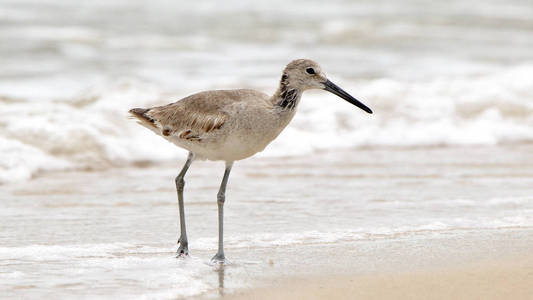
305	74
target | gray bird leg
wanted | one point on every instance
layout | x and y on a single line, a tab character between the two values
221	197
183	249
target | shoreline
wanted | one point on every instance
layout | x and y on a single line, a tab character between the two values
325	219
488	264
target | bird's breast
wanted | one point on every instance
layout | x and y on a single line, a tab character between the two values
249	132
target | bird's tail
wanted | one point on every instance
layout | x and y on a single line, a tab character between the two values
140	114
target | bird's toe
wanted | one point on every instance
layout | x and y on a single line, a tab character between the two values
182	252
218	259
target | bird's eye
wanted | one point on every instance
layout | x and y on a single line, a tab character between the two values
310	71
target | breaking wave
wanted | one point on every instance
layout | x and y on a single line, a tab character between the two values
92	131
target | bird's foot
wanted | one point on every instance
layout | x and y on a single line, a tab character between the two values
218	259
183	249
182	252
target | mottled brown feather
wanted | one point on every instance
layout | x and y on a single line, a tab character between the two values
193	116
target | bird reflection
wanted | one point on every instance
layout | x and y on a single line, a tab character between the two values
220	271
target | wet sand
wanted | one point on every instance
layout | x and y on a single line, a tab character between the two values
509	278
373	215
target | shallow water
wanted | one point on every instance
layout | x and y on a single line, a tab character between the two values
113	233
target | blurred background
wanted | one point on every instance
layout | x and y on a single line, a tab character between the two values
435	73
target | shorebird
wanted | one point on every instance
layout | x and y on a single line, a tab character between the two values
231	125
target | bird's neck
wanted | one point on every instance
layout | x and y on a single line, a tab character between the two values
286	97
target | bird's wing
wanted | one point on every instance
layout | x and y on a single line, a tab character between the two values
191	117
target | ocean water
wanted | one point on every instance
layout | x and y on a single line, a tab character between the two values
454	73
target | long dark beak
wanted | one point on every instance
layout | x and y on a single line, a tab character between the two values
333	88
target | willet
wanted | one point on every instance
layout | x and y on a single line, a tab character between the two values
231	125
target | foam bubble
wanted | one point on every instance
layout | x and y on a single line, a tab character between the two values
160	275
